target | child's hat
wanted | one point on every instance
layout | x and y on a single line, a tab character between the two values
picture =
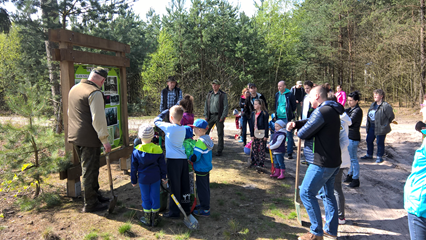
146	132
281	123
200	123
189	132
235	112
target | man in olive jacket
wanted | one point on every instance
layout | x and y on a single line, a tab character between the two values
379	117
216	111
87	130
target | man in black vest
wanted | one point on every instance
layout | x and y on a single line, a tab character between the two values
171	95
216	111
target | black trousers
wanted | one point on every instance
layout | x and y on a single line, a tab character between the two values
178	173
203	189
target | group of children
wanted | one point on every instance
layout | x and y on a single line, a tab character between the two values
149	168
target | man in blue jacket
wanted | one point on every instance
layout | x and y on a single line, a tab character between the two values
285	105
322	151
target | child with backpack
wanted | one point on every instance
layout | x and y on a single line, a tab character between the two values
202	159
277	145
259	130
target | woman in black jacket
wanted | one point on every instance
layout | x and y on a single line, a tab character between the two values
259	130
355	113
244	119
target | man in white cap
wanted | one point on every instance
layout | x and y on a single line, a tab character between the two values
299	93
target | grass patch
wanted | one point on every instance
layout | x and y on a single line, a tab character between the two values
2	227
48	234
288	202
286	185
106	236
159	235
220	202
272	206
278	213
119	203
235	231
239	193
214	185
91	236
225	182
27	204
235	203
270	192
125	229
292	215
130	214
215	216
183	236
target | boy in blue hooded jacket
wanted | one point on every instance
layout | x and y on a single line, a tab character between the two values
148	169
202	159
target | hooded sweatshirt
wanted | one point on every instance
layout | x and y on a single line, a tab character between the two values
202	157
345	121
321	134
148	164
285	110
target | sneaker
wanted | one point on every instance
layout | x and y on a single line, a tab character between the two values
199	212
290	156
348	179
329	236
342	221
310	236
171	216
240	140
379	160
354	183
218	154
366	157
95	208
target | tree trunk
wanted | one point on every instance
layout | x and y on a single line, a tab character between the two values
50	20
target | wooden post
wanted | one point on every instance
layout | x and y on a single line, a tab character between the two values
67	81
123	101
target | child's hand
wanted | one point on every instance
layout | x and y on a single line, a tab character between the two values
267	145
265	139
252	138
134	185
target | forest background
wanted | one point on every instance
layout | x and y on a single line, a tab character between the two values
359	44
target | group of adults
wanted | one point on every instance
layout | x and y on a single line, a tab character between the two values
319	119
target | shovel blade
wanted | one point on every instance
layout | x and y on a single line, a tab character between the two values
112	204
191	222
299	217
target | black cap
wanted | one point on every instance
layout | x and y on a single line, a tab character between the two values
101	71
216	82
250	85
171	79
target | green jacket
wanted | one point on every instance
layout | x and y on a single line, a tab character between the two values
383	117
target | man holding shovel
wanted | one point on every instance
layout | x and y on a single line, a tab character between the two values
322	151
87	130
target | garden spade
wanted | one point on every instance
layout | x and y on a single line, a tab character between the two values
296	185
114	198
190	220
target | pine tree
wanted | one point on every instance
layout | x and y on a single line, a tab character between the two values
31	150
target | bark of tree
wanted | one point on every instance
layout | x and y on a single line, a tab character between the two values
422	51
50	19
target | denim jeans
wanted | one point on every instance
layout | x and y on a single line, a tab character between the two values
370	143
279	161
417	227
290	140
354	169
317	177
338	194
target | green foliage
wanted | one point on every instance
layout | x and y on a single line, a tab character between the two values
125	229
48	199
160	234
91	236
235	231
292	215
49	234
30	151
184	236
161	65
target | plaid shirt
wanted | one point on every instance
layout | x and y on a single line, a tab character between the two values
171	96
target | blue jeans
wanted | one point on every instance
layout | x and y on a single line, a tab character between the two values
320	178
290	140
417	227
370	143
150	194
354	169
279	160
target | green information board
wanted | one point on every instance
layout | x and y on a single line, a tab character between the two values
111	90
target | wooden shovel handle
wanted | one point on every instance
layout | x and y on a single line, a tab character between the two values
109	171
